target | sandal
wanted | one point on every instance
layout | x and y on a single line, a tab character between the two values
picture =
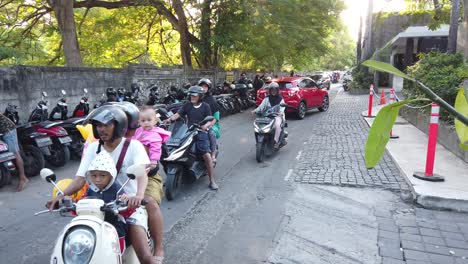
213	186
159	259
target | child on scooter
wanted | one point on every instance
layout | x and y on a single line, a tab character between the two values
151	136
101	178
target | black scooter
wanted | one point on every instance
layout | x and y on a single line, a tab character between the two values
264	127
182	163
60	111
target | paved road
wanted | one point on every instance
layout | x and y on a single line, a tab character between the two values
299	206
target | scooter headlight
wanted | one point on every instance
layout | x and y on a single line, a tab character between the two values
78	246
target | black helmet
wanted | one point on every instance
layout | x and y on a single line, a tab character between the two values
106	114
121	91
205	81
187	85
111	91
195	91
130	110
135	87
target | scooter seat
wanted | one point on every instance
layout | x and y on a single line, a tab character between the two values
75	120
50	124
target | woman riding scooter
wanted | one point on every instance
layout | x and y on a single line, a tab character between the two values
274	98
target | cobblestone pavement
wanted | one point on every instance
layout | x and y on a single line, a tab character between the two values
334	155
417	236
334	151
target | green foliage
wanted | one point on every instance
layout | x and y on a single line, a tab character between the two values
379	133
461	104
272	35
442	72
385	67
362	79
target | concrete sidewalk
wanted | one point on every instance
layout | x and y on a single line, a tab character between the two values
409	153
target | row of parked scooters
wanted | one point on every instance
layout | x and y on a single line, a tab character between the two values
54	138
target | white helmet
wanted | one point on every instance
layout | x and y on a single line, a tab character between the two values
273	85
103	162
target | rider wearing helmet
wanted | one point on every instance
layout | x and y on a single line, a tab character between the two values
274	98
214	132
132	113
195	111
111	94
110	124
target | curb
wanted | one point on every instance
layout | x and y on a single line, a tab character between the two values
428	201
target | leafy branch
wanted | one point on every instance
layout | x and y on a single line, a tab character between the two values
379	132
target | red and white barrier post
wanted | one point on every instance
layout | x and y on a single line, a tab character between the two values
371	98
428	174
392	100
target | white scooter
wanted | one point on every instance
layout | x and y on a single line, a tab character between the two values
88	238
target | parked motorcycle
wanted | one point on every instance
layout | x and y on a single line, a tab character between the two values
60	111
264	127
346	84
6	163
82	109
33	145
88	238
182	163
58	154
40	113
11	112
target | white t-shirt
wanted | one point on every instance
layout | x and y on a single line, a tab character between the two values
136	154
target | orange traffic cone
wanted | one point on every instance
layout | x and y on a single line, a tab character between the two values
382	98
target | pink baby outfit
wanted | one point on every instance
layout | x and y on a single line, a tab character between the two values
152	140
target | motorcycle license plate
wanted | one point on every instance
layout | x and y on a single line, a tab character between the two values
7	156
65	140
43	141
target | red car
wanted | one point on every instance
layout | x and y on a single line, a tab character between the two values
302	93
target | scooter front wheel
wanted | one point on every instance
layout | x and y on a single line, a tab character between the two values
260	154
173	182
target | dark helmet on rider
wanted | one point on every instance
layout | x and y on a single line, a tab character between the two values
196	91
187	85
107	114
205	81
131	111
135	87
121	91
111	92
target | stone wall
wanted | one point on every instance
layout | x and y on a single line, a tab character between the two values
22	85
447	136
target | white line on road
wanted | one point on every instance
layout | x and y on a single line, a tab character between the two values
286	178
299	155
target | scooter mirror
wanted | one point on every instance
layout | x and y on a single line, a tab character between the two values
85	90
48	175
135	171
44	94
63	92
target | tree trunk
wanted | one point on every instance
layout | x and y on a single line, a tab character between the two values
184	33
63	10
205	35
453	32
359	42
